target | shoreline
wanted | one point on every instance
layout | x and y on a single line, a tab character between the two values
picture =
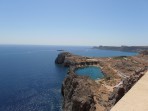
121	73
135	49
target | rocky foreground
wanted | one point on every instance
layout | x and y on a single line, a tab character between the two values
84	94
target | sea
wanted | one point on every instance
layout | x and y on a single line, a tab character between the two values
31	81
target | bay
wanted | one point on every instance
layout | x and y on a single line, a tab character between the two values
31	81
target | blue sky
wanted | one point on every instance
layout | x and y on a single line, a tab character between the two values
74	22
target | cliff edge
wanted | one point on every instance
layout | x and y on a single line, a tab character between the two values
84	94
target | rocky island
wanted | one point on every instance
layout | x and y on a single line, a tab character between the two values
84	94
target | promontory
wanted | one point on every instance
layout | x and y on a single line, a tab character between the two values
82	93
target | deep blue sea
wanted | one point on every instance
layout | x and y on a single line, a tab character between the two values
31	81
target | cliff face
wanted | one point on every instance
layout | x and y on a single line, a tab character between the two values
61	57
125	86
77	94
68	59
82	94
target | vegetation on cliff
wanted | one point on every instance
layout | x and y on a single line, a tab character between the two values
84	94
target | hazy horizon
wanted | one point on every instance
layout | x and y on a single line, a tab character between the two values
69	45
74	23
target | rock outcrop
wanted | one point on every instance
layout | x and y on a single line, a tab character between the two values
82	94
68	59
61	57
125	85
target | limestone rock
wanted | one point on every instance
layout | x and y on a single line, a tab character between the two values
78	93
126	85
61	57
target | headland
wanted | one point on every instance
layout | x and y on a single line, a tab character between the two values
84	94
123	48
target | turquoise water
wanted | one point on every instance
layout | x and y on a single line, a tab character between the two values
31	81
91	71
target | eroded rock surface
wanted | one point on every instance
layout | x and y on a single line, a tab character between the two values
61	57
125	86
83	94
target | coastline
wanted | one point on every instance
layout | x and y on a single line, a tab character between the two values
121	73
136	49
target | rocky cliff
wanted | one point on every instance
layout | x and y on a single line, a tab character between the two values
125	85
61	57
78	93
84	94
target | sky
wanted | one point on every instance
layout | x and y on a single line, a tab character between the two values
74	22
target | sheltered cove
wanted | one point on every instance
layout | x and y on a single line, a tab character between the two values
91	71
83	94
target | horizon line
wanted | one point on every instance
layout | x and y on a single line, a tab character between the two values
73	45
